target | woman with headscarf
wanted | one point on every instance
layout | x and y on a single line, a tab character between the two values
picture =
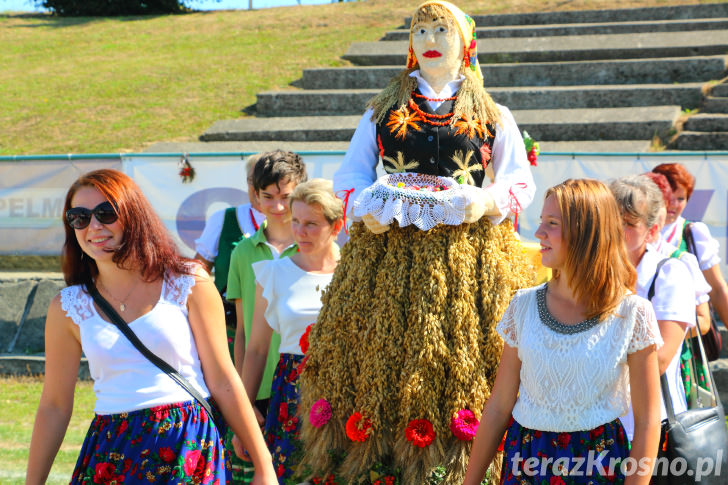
404	353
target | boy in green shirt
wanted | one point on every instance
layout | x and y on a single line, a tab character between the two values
275	176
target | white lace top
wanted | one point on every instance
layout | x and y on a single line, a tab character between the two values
574	381
124	380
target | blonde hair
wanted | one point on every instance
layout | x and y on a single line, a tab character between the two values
250	166
597	267
321	193
472	99
638	197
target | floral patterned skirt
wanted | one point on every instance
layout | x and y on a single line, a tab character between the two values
172	443
281	424
579	457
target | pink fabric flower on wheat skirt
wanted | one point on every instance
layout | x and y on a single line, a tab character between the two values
320	413
464	425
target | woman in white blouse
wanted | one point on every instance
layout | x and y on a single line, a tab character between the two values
573	348
147	427
288	301
673	301
708	249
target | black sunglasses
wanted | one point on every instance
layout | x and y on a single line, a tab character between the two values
80	217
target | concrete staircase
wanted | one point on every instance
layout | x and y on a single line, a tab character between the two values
602	80
710	126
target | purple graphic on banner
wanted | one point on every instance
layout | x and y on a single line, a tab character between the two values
192	211
697	205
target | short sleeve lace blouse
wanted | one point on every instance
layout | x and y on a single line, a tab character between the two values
124	380
577	381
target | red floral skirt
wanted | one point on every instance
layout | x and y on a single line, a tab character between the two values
281	424
578	457
173	443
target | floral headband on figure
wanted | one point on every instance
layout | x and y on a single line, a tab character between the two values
465	24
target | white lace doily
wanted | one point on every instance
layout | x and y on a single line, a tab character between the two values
396	197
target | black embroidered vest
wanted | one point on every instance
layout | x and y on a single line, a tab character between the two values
408	144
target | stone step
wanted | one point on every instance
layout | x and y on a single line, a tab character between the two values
247	147
630	71
595	146
350	102
701	141
707	122
584	29
673	12
714	104
552	125
720	90
313	147
564	48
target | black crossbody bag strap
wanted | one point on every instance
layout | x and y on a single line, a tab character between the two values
153	358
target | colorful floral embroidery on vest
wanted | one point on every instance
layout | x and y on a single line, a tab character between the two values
464	169
399	165
400	120
471	126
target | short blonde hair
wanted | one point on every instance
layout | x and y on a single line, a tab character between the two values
250	166
321	193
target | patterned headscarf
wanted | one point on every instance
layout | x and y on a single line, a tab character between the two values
465	24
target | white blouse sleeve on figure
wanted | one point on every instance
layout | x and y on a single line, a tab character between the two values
358	170
206	245
707	246
645	331
511	168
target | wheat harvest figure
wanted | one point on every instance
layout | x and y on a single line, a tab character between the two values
404	353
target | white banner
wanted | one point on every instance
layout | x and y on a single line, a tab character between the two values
31	192
31	201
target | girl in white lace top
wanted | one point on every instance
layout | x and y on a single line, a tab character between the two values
573	348
147	428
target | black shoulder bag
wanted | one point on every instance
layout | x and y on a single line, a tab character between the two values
694	443
153	358
712	340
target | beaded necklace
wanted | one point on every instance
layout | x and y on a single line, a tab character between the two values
434	100
429	117
554	324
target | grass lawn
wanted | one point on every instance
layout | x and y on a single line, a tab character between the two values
19	401
108	85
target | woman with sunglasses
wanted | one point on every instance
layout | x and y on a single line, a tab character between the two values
147	427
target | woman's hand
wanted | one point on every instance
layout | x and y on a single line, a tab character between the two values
259	417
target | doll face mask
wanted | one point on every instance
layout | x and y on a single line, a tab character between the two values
438	47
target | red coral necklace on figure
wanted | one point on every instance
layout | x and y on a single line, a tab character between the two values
429	117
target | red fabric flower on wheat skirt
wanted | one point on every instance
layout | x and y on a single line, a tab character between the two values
303	341
420	432
358	428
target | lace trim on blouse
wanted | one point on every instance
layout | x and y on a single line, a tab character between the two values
78	304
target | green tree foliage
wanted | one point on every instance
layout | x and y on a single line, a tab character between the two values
76	8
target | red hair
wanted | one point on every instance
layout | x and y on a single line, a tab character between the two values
677	175
663	184
146	245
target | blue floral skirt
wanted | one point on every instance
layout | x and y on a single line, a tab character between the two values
281	423
172	443
579	457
